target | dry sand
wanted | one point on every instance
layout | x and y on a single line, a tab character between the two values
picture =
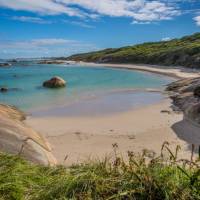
81	138
176	72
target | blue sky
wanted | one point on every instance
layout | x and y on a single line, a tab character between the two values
36	28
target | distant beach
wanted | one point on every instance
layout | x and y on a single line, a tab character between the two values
176	72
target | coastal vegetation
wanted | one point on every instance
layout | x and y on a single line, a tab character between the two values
144	176
176	52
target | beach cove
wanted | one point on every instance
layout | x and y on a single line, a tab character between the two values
148	126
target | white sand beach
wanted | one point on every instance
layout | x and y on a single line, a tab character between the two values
176	72
80	138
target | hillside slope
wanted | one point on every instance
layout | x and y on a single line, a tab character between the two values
177	52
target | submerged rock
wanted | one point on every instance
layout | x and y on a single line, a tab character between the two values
55	82
3	89
18	138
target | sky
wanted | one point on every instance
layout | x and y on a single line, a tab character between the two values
46	28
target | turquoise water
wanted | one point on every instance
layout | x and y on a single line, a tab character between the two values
82	82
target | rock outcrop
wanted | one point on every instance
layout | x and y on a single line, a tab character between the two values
5	64
3	89
52	62
6	89
55	82
185	94
18	138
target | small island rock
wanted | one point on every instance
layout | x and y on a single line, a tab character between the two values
55	82
3	89
5	64
51	62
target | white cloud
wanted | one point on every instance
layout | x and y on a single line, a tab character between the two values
165	39
52	41
42	47
197	20
37	20
140	22
78	23
138	10
155	11
37	43
46	7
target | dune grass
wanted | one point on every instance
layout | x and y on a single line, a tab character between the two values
144	176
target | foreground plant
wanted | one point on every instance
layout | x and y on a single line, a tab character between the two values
142	176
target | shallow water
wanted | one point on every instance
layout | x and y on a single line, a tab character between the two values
103	105
83	83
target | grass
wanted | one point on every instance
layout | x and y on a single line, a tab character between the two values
142	177
178	52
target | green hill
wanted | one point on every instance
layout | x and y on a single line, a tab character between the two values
176	52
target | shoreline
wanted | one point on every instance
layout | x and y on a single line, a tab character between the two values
146	127
176	72
110	103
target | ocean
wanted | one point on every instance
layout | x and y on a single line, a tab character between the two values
88	88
